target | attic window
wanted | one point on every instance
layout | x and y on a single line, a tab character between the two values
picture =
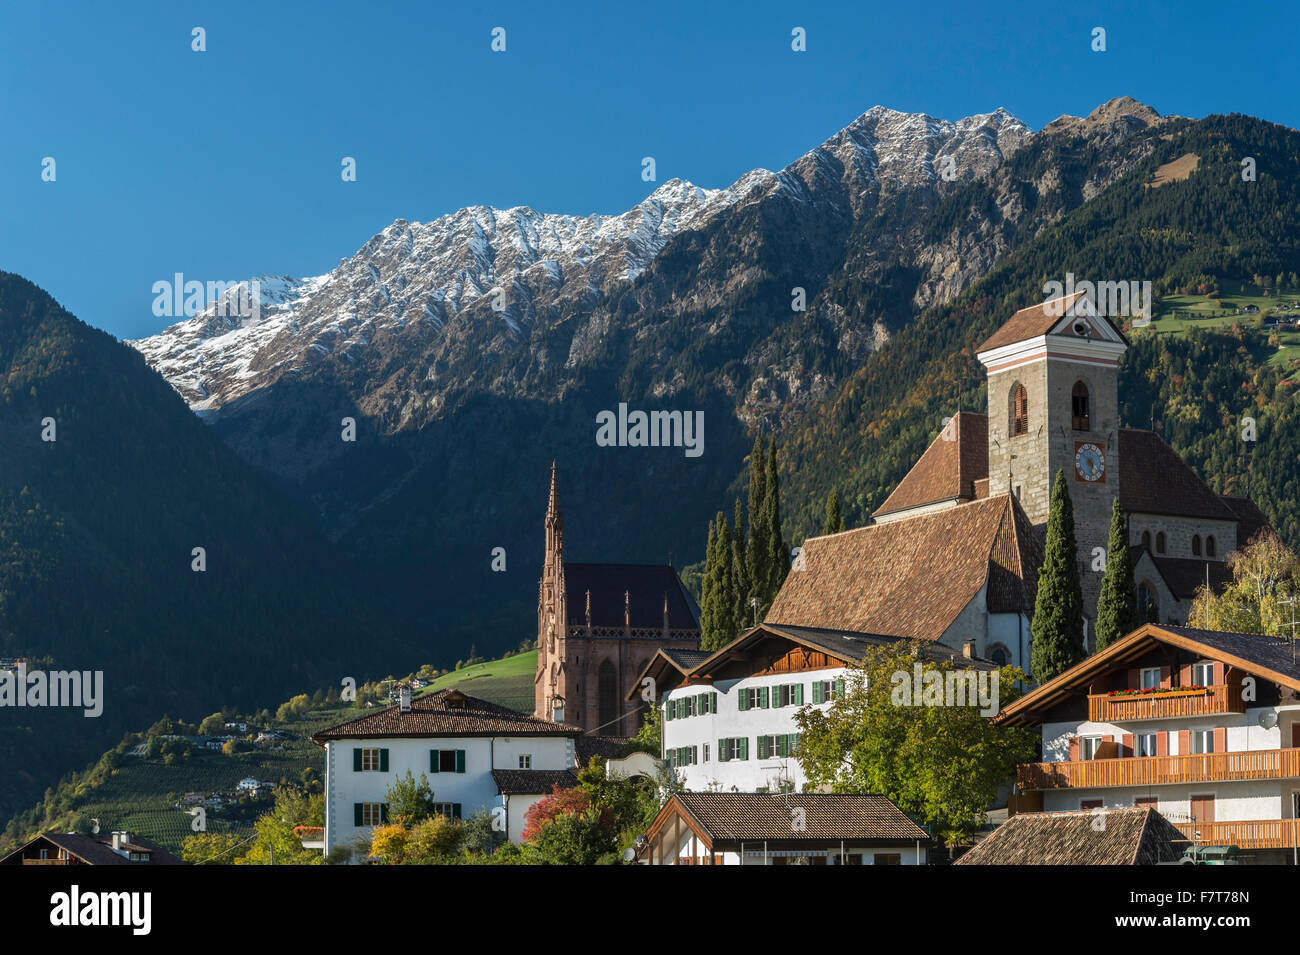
455	700
1079	403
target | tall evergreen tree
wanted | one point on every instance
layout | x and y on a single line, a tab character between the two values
743	584
724	593
1057	630
834	523
756	550
775	556
707	612
1117	611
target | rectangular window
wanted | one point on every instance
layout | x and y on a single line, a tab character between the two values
1202	741
1203	674
787	694
1144	744
733	748
888	858
688	706
706	752
766	746
1088	746
447	761
448	810
370	760
787	745
1150	678
525	761
370	813
754	698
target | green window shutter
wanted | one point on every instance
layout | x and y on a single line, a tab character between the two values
723	751
383	813
455	809
763	697
460	760
783	745
356	762
356	813
796	694
713	704
744	747
743	699
433	760
763	743
383	760
839	689
817	691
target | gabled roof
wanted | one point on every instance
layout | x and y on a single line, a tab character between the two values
1032	322
94	850
727	818
646	586
1184	575
531	782
1127	837
1251	519
1254	653
911	578
1153	479
949	468
445	713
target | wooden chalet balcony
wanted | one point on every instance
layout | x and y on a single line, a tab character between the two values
1212	701
1249	834
1157	770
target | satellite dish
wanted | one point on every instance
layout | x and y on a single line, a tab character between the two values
1268	719
629	855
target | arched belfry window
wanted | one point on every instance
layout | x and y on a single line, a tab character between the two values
1146	539
1209	547
1196	545
1160	542
1019	410
607	698
1079	407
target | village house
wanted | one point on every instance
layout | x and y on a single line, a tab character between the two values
478	757
1202	725
728	716
70	848
803	829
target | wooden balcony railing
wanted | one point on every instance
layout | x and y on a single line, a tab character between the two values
1213	701
1158	770
1248	834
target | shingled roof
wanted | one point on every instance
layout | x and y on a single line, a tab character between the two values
1128	837
912	578
949	468
646	586
531	782
827	817
1153	479
445	713
1032	322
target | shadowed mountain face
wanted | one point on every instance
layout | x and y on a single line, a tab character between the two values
474	349
108	484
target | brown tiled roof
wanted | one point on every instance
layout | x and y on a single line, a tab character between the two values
1031	322
829	817
1251	520
852	647
530	782
911	578
955	460
1153	479
96	850
438	715
685	660
606	747
1128	837
646	585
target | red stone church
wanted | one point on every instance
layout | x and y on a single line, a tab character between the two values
598	625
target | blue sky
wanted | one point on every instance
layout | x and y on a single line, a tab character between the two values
226	164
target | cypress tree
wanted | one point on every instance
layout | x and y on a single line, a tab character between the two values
1057	630
707	612
724	593
756	550
1117	611
743	584
777	562
834	523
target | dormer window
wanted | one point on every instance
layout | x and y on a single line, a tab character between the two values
1079	407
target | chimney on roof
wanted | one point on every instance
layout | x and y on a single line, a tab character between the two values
120	839
968	649
404	699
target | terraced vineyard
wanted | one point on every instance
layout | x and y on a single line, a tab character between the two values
508	682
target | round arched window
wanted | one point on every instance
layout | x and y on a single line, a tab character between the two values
1210	549
1196	545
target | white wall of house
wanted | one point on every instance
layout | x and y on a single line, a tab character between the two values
730	721
1233	801
1244	730
474	789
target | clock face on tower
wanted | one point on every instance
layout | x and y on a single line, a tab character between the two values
1089	462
